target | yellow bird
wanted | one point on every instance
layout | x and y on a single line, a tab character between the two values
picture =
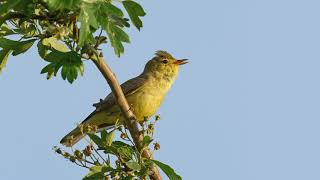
144	94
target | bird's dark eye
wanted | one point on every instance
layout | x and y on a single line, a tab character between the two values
165	61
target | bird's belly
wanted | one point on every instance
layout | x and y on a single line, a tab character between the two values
144	105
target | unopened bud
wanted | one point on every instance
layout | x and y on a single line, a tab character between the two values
72	159
88	150
66	155
156	146
87	129
78	154
150	129
157	117
123	135
94	128
57	150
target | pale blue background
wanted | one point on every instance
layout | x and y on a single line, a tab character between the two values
245	108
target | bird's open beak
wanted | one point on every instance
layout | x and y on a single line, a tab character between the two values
181	61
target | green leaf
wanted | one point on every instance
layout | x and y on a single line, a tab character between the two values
128	178
116	36
107	137
18	47
7	6
121	35
167	170
125	152
133	165
4	53
8	43
97	172
55	56
48	68
62	4
96	139
23	47
147	140
81	68
5	30
87	19
42	50
69	61
64	72
53	42
135	11
111	9
144	171
72	75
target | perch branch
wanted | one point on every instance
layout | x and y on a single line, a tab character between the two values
130	119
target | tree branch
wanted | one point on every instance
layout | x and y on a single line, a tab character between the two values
130	119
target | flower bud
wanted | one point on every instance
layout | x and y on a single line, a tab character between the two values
72	159
95	128
57	150
66	155
78	154
87	129
150	129
87	151
123	135
156	146
157	117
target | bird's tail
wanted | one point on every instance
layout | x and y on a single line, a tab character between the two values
72	137
94	122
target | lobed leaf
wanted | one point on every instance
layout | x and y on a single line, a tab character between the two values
23	47
110	9
4	54
135	11
96	139
97	172
62	4
116	36
69	61
134	165
54	43
167	170
107	137
87	19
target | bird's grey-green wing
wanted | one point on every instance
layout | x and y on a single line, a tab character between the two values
128	87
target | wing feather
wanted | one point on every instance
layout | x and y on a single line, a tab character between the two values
128	87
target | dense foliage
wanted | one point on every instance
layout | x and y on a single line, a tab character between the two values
67	32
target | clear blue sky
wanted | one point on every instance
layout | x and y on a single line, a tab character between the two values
245	108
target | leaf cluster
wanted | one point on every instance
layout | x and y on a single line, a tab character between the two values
117	158
68	32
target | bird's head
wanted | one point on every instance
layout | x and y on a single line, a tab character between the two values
164	64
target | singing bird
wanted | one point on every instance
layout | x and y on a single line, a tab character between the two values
144	94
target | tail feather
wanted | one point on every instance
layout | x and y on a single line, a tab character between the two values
72	137
101	120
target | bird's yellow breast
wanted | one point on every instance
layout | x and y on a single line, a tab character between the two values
146	101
